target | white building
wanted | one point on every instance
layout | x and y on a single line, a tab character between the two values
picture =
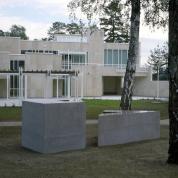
49	68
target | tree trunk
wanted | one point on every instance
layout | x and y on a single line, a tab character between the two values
132	56
173	82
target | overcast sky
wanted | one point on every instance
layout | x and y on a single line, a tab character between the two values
38	15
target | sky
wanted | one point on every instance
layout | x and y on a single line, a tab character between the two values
38	15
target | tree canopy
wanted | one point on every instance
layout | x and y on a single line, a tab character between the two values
63	28
18	31
158	60
15	31
158	57
115	23
155	11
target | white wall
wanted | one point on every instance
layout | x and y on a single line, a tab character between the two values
145	87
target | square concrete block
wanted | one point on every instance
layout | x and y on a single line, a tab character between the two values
51	127
128	126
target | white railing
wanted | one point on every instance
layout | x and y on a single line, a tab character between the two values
118	67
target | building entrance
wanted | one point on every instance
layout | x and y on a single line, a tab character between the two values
111	85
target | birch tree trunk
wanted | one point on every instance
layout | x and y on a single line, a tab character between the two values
127	91
173	82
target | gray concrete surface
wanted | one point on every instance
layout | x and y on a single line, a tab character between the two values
164	122
53	127
128	126
10	124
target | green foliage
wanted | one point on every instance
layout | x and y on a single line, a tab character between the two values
18	31
2	33
96	107
73	28
15	31
63	28
155	11
57	28
158	60
10	113
115	23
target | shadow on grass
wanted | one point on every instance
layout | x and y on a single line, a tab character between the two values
145	159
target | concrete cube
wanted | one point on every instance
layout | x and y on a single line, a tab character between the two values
128	126
51	127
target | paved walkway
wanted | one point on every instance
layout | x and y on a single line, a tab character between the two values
92	121
164	122
11	124
18	102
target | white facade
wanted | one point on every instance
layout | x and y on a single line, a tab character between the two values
101	68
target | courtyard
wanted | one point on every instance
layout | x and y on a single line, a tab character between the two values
141	159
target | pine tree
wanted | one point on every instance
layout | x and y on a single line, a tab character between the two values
115	23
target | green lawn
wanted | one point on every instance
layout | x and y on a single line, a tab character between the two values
10	113
135	160
94	108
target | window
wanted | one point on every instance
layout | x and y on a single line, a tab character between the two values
110	57
14	65
39	51
23	51
105	56
124	56
14	79
73	59
55	52
114	57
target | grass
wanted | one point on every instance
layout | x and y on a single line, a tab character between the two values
136	160
10	113
94	108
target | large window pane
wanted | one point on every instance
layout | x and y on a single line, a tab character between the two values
115	56
15	65
120	56
22	64
109	56
82	59
73	59
76	59
124	56
105	56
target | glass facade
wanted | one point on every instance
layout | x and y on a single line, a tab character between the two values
114	57
73	59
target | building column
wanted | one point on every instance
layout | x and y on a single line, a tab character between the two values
57	87
68	86
82	81
122	82
26	85
7	85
